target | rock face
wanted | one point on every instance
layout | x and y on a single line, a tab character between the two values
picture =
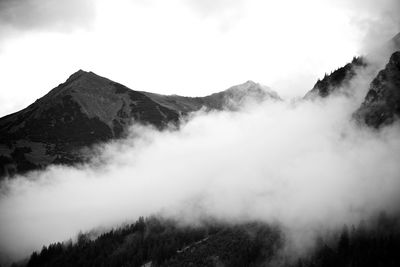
382	102
89	109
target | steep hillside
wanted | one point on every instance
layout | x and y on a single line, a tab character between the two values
159	242
84	110
382	102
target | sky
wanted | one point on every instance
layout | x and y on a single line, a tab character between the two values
186	47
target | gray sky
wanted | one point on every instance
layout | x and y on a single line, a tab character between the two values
187	47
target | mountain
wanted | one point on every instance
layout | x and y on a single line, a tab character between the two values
89	109
232	99
382	102
341	77
337	79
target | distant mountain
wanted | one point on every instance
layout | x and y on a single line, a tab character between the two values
338	79
232	99
382	103
89	109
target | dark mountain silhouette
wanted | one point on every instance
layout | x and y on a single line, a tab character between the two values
336	79
341	77
89	109
382	103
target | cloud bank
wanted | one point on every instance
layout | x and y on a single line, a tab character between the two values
302	164
46	14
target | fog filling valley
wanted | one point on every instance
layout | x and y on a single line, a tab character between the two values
303	164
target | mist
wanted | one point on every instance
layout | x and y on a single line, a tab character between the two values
377	20
305	165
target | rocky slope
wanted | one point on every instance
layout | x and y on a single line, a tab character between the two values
88	109
382	102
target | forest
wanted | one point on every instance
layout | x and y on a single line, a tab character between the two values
156	241
164	242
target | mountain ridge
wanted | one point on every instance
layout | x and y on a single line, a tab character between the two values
87	109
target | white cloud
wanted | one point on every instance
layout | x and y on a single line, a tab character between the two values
46	14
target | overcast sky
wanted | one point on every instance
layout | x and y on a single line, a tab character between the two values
187	47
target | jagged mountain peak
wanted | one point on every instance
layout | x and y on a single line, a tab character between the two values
82	74
81	82
77	74
93	95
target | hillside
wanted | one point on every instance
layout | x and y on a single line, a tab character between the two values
160	242
88	109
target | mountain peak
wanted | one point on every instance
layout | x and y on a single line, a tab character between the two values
77	74
253	88
250	82
82	82
247	85
80	71
81	74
